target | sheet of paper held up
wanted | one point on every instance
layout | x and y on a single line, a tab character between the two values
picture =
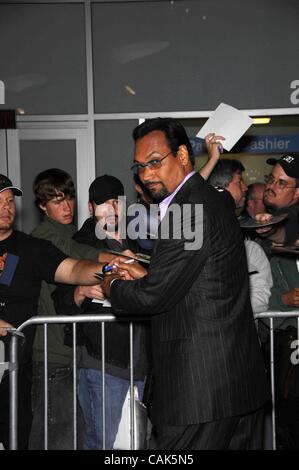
227	121
105	303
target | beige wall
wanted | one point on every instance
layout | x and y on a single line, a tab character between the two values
255	165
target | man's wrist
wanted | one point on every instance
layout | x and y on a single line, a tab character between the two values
108	287
112	280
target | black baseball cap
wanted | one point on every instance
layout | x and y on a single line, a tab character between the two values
105	187
289	163
272	161
5	183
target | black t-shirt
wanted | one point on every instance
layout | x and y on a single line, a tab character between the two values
25	262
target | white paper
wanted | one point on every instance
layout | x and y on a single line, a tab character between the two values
104	302
228	122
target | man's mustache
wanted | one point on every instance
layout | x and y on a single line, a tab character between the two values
148	183
270	191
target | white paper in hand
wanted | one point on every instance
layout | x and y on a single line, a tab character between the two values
104	302
227	121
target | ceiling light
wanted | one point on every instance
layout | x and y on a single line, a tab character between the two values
261	120
130	90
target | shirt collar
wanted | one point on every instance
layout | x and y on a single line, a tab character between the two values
165	203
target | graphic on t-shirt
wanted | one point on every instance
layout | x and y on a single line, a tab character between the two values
8	265
2	262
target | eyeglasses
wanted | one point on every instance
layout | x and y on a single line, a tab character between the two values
282	184
154	164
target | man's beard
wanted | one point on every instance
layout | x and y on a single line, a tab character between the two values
268	204
110	227
6	225
158	196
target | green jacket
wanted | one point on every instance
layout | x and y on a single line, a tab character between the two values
285	277
61	236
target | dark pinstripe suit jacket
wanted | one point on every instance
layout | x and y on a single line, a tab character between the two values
207	360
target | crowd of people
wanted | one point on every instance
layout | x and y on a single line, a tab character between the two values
198	359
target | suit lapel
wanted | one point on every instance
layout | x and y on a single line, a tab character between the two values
195	181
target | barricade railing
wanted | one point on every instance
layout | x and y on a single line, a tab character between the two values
271	315
62	319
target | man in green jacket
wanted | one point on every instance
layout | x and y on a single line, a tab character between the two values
55	195
284	297
285	290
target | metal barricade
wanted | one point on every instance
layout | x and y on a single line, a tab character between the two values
13	368
13	373
271	315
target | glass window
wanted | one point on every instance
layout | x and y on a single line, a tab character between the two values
43	58
115	152
188	55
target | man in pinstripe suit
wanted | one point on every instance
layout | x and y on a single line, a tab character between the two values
209	377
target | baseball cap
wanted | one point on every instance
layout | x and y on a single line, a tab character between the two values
5	183
272	161
289	163
105	187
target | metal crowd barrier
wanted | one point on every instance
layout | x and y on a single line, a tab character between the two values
13	374
271	315
13	369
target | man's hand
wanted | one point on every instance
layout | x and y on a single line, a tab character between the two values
214	149
129	253
91	292
105	257
214	145
3	327
291	297
263	217
129	271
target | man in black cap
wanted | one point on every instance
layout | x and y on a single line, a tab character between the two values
25	262
281	196
102	231
106	205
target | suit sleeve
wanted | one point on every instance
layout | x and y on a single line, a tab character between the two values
171	274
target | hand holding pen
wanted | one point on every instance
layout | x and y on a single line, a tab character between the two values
112	268
130	269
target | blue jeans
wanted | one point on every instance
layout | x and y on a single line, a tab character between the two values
60	409
90	398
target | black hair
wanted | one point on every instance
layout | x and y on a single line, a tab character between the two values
173	130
